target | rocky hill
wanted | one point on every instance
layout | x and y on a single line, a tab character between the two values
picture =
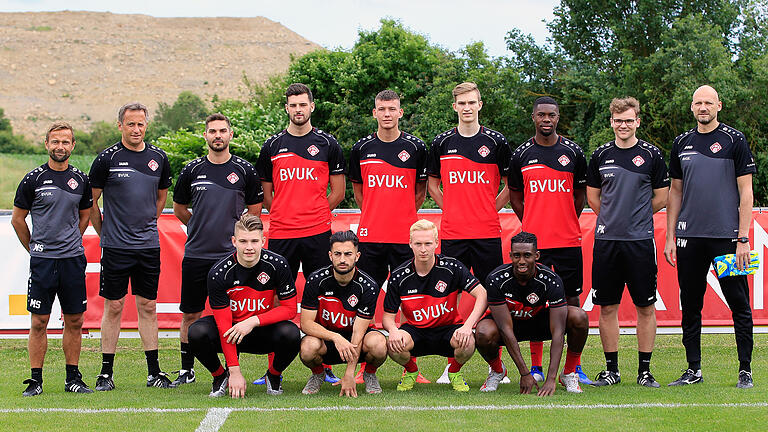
81	66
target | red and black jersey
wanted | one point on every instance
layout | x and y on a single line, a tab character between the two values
237	293
544	290
299	168
431	300
336	305
470	169
388	172
547	176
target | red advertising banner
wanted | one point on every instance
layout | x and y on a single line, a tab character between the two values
715	313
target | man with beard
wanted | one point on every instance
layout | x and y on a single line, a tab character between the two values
218	187
709	212
336	314
59	197
547	190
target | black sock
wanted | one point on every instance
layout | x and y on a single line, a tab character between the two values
153	366
37	374
745	366
274	380
643	362
72	372
694	365
187	357
612	361
107	362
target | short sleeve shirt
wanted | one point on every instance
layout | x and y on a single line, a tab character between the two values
524	302
337	306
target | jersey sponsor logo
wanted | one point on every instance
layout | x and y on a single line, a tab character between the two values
687	147
532	161
202	176
532	298
337	318
72	183
122	164
45	182
434	311
412	291
313	150
363	232
297	174
387	180
403	156
563	160
352	300
452	151
469	177
233	178
263	278
441	286
637	160
548	185
370	155
716	147
283	150
248	305
483	151
38	247
152	164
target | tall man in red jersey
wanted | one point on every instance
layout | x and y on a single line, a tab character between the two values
241	289
547	190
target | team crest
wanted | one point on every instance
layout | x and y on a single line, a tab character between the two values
72	183
233	178
352	300
483	151
532	298
152	164
716	147
441	286
313	150
263	278
403	156
638	161
563	160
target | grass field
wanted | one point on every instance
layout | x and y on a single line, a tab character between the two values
715	404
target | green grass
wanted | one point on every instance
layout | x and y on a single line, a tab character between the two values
719	387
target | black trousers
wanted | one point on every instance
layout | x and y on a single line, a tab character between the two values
694	256
283	338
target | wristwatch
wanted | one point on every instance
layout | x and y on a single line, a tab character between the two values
743	239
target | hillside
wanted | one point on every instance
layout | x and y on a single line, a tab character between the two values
81	66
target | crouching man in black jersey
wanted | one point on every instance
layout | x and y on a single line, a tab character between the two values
241	291
527	302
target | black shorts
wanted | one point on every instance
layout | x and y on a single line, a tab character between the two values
616	263
332	356
568	264
377	259
311	251
480	255
49	277
534	329
431	341
194	283
141	266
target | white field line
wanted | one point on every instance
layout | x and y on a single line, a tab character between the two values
392	408
213	420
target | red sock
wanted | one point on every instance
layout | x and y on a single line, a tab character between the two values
219	371
453	365
411	366
370	368
501	351
496	365
274	371
317	370
537	353
572	359
270	359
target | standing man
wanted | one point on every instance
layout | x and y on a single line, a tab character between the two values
59	197
218	187
709	213
388	174
527	302
242	289
134	177
627	183
426	290
547	181
337	311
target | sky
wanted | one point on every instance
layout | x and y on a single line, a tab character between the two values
451	24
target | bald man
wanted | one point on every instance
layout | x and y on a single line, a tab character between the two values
708	214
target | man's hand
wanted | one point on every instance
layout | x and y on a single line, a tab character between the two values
670	251
236	383
348	387
548	389
742	255
463	335
238	332
396	341
528	382
345	348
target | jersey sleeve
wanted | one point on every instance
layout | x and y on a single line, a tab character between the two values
659	176
556	292
285	287
336	163
354	173
165	174
254	194
515	177
86	201
421	161
493	288
264	162
580	171
593	172
217	292
25	194
392	299
675	170
433	160
99	171
503	155
182	192
309	298
743	160
366	307
466	280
